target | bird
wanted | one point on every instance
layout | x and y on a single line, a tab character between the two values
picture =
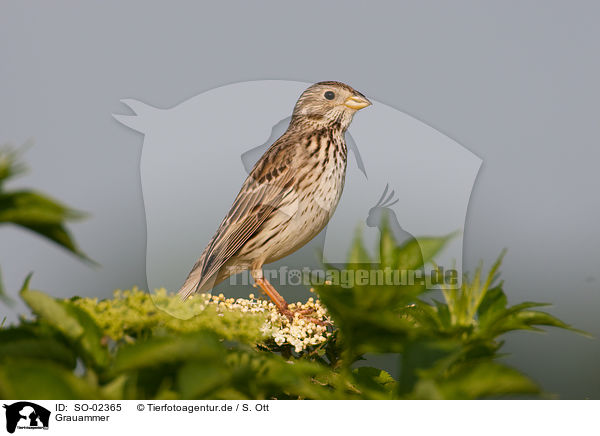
289	196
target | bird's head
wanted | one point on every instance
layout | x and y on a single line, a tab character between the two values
328	104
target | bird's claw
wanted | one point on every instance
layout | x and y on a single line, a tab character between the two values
291	314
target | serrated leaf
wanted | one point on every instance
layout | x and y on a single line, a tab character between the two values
530	319
492	304
419	251
409	255
443	313
374	378
425	317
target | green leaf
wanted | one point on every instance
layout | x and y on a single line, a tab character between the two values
269	376
375	317
374	379
425	356
387	244
425	317
198	379
529	320
409	255
39	348
93	351
26	207
166	350
443	314
493	303
42	380
10	164
486	379
358	253
40	214
4	297
52	311
417	252
115	389
73	322
369	321
33	210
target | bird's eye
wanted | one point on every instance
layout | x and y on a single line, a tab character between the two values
329	95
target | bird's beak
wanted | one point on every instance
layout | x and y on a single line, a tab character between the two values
357	102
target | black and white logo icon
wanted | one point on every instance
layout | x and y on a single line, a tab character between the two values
26	415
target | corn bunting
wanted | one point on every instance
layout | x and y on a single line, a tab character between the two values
289	196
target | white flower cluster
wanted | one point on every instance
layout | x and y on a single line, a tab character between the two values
241	304
301	332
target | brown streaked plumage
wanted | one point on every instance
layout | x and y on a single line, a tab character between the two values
289	196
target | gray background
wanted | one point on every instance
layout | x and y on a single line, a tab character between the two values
514	82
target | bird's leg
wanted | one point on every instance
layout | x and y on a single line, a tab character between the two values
279	301
275	297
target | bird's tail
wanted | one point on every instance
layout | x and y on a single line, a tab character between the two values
197	282
191	283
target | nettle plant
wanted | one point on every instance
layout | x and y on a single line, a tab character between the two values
139	345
